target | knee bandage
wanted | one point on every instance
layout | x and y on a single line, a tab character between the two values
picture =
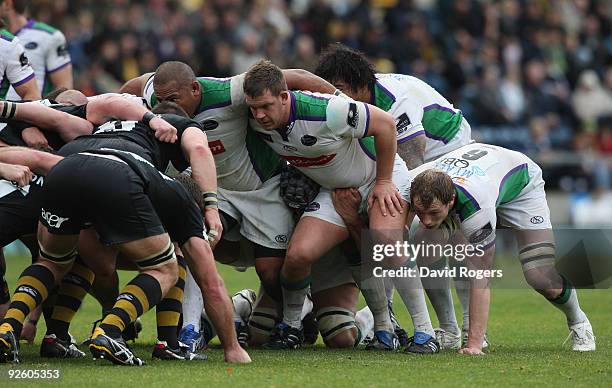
537	255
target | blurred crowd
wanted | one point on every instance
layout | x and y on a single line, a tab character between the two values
533	75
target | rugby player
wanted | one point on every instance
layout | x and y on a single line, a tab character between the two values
247	172
493	186
45	47
15	68
319	135
428	126
128	218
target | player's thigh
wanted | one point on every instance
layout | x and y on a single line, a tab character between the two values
312	238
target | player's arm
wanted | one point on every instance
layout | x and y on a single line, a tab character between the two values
114	106
216	302
28	90
136	85
194	144
58	62
62	77
39	115
37	161
412	151
20	73
347	202
299	79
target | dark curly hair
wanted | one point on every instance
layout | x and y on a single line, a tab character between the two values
341	63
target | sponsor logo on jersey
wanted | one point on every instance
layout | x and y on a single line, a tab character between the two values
209	125
62	51
281	238
308	140
402	123
31	45
352	118
299	161
289	148
53	220
312	207
216	147
536	220
23	60
459	167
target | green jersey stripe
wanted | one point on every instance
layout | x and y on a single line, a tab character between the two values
465	204
441	123
512	184
383	98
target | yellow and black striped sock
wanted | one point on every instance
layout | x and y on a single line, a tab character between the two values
72	291
168	311
142	293
32	289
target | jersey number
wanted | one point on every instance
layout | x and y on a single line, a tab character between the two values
474	155
116	126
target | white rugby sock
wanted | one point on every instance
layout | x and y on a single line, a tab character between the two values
242	308
364	320
410	290
389	290
307	308
293	301
568	303
439	293
462	286
373	291
193	304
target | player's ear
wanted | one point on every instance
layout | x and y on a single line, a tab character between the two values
284	95
196	88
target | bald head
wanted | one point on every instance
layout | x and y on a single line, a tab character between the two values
176	82
179	72
72	97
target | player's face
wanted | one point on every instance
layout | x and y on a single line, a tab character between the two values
186	96
357	95
271	112
432	216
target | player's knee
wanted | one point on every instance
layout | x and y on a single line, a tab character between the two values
261	324
337	327
345	339
297	257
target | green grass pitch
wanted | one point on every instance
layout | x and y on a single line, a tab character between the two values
526	334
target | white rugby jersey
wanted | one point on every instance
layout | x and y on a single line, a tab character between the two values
419	109
15	67
46	48
485	177
326	138
242	159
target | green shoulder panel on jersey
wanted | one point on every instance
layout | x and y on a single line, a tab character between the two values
309	107
44	27
441	123
266	162
512	184
4	88
383	98
465	204
368	147
216	93
4	34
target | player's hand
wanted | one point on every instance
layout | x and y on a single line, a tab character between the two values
346	202
213	226
34	138
471	351
388	198
164	131
237	356
16	173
